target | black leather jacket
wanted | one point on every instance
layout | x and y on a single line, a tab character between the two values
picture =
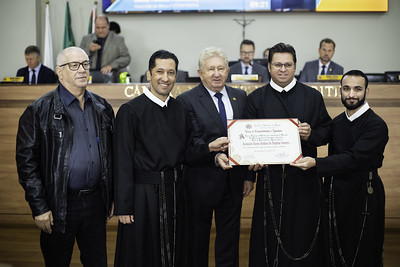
44	143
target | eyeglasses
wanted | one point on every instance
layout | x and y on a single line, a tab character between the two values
246	53
74	66
217	69
280	65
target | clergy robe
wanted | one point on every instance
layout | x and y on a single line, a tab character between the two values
356	150
301	211
148	138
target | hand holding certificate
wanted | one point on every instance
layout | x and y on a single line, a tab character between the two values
264	141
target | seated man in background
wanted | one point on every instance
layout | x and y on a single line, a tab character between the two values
35	72
246	65
323	65
107	52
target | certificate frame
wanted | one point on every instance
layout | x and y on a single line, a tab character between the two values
264	141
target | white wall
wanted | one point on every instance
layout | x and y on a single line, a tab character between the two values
366	41
17	31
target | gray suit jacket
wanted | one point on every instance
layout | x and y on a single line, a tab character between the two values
257	69
310	71
115	51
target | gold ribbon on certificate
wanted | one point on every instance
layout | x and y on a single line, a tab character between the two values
264	141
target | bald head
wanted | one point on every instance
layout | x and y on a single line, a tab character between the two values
62	57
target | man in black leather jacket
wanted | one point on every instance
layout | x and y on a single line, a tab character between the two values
64	161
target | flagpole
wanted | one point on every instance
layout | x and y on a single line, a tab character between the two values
93	15
48	45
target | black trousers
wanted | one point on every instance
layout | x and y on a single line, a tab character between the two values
86	224
227	222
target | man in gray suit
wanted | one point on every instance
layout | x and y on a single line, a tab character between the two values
323	65
246	65
107	51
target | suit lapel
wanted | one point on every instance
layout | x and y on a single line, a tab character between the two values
256	70
331	68
233	98
106	46
208	104
26	76
316	69
40	74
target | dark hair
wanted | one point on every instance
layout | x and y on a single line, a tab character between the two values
162	54
358	73
247	42
32	49
328	41
115	27
282	48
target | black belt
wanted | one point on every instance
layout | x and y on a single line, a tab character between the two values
83	192
149	177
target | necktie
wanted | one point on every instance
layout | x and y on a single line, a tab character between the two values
221	106
33	80
323	70
246	70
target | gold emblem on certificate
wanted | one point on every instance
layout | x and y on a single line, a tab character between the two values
264	141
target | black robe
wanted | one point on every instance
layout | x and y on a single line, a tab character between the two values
148	137
356	150
301	210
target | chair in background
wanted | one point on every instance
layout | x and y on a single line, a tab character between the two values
392	76
376	77
233	62
193	79
261	61
182	76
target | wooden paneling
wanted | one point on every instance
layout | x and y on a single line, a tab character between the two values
383	98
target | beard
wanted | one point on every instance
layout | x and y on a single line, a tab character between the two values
353	106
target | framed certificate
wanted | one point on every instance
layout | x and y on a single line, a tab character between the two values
264	141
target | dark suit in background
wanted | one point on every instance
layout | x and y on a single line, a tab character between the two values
257	69
46	75
208	186
311	68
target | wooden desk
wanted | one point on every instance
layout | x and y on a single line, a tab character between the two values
383	98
